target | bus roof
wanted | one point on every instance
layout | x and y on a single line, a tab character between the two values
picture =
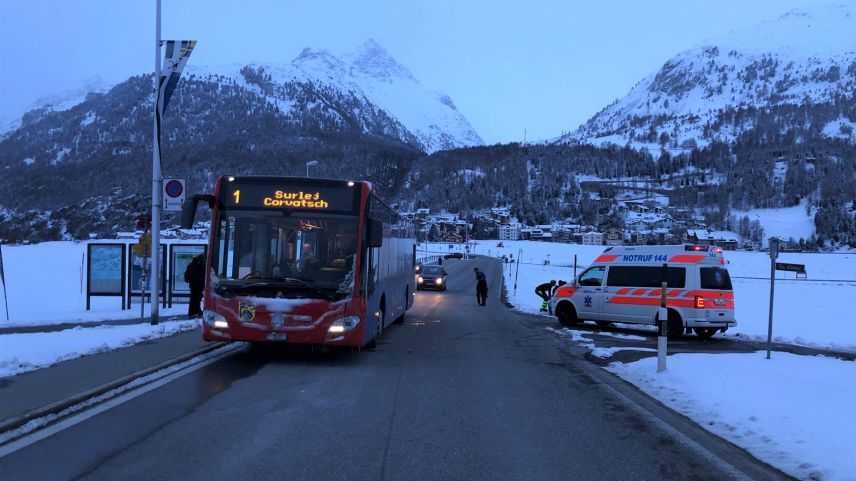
659	255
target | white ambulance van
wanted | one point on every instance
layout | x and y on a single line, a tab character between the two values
624	284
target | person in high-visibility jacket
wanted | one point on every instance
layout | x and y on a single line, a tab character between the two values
544	291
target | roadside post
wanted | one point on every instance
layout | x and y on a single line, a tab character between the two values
774	253
143	250
517	271
663	336
575	266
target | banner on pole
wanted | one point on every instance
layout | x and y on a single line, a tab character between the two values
175	59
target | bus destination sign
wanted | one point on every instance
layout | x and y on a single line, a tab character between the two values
299	197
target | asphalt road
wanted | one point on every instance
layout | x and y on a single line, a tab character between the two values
459	391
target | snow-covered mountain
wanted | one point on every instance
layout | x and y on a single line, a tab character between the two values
59	101
805	59
366	89
372	73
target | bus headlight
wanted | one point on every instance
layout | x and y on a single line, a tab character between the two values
214	319
420	280
344	324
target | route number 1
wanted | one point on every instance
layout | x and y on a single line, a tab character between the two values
237	195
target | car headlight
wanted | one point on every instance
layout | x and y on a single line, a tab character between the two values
439	280
420	280
214	319
344	324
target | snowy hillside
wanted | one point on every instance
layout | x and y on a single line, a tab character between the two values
711	92
370	75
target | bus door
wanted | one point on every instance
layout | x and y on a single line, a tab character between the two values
589	297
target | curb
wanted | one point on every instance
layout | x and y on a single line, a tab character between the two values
45	328
59	406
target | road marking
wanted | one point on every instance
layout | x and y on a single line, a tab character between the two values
33	431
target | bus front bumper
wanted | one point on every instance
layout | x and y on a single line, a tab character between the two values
334	333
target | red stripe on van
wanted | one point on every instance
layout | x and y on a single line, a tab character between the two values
606	258
687	259
651	301
565	291
640	292
624	291
711	294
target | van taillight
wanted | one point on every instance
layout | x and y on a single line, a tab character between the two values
699	302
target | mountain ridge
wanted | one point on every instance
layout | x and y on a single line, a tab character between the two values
689	101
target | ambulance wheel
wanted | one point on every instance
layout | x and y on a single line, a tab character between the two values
705	332
567	314
603	323
676	324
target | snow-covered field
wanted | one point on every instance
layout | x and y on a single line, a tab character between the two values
794	412
809	312
27	352
785	222
45	284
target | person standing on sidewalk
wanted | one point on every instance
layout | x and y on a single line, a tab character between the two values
194	276
481	287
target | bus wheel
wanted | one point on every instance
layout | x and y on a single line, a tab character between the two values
566	314
705	332
378	327
381	318
400	319
603	323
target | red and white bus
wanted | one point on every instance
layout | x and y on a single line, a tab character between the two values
298	260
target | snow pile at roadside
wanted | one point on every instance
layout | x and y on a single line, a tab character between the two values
27	352
794	412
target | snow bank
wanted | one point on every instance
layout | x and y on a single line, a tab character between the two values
27	352
794	412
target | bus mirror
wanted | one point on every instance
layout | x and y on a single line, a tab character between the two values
188	210
375	232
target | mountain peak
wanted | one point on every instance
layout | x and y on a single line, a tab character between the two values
807	31
372	60
806	57
318	59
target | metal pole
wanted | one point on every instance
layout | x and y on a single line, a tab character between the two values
773	244
156	177
662	338
575	266
770	320
517	271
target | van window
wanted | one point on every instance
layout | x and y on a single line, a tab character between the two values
645	276
592	277
715	278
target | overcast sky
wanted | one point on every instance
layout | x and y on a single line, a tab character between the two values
542	66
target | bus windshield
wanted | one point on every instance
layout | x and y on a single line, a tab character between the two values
285	254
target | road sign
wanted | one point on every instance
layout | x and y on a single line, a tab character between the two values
173	194
784	266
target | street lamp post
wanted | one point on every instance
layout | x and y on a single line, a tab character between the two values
311	162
